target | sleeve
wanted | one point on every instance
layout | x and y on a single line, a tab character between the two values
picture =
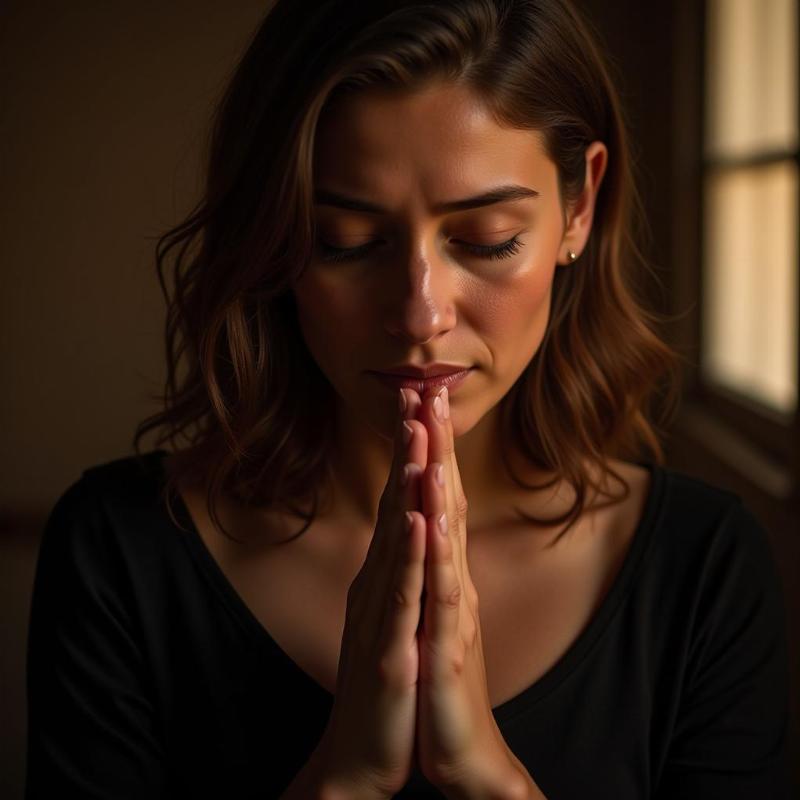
91	721
731	732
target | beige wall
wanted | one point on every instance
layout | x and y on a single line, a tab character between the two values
103	110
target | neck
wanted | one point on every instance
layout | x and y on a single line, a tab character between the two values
362	458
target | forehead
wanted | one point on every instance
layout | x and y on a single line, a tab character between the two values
440	141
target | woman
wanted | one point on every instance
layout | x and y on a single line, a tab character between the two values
409	301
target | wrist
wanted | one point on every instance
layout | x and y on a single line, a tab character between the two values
332	782
514	788
327	783
501	779
337	788
522	786
519	785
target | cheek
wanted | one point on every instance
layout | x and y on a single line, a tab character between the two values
324	306
516	309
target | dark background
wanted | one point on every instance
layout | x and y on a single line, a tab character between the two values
103	108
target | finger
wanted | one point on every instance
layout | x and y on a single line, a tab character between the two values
441	450
415	453
392	501
415	459
415	449
416	462
409	568
392	551
442	583
414	402
415	439
458	489
419	447
404	607
460	499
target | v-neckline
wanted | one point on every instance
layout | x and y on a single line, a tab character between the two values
643	534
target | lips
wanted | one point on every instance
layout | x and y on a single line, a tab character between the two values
433	370
422	384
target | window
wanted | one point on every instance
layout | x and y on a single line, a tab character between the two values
748	315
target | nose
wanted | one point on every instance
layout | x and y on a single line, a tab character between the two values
419	305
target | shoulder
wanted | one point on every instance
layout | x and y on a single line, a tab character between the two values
668	510
719	615
112	510
709	548
699	550
688	494
124	488
130	476
694	513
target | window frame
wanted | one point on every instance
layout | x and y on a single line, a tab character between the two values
748	437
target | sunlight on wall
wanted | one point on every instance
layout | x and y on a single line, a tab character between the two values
750	282
751	76
750	314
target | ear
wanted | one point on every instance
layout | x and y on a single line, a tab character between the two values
581	214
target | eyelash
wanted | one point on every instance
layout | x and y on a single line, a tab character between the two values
490	251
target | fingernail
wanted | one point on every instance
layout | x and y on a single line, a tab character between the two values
440	475
404	476
408	432
446	402
403	402
437	408
443	524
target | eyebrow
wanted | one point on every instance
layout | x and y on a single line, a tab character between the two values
499	194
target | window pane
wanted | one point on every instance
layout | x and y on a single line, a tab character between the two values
751	76
750	316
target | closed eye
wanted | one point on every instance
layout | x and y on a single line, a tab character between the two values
490	251
502	250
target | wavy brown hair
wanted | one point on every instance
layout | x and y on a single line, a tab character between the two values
247	406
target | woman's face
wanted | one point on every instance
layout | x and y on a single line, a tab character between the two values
416	291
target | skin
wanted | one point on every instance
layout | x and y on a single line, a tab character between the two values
419	296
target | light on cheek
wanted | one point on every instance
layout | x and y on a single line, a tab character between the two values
520	292
539	284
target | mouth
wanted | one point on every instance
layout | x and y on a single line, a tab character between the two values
421	385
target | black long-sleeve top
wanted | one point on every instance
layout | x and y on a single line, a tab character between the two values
149	677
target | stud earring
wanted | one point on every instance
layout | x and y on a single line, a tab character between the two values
571	255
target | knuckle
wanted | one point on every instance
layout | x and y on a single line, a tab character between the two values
462	505
452	598
456	662
401	599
